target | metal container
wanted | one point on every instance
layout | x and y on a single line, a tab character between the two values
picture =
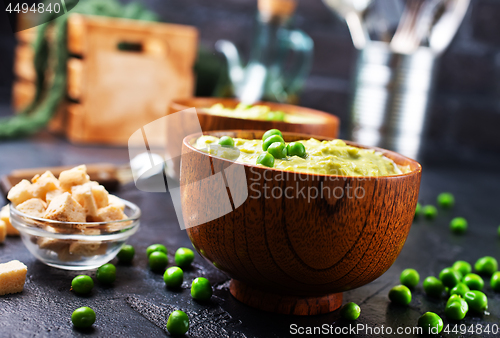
391	97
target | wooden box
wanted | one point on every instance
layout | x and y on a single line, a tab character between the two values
122	75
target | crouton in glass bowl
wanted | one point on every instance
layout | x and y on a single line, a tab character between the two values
71	223
75	246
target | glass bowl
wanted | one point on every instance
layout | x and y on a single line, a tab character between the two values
75	246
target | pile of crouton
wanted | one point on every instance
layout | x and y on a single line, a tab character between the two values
72	198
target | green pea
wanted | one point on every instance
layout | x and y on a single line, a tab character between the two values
266	160
296	149
158	261
459	289
173	277
400	294
201	289
409	278
433	287
270	140
184	257
456	308
82	284
495	281
126	254
478	302
430	211
270	133
226	141
473	281
431	323
458	225
278	150
450	277
106	274
446	200
178	323
498	231
463	267
486	265
83	317
350	311
418	210
156	247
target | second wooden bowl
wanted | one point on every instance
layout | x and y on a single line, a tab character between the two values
298	240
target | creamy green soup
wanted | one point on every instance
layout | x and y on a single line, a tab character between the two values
333	157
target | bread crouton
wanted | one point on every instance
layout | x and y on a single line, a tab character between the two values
116	201
3	231
83	195
20	192
109	213
64	208
33	207
52	194
87	249
5	217
43	184
100	195
72	177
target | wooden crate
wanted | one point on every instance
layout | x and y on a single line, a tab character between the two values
114	92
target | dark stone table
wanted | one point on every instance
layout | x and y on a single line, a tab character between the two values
138	304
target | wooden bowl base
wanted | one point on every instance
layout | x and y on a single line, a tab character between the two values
291	305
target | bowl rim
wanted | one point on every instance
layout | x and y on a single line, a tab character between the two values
182	104
417	170
134	217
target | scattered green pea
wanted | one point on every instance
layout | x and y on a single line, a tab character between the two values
106	274
226	141
178	323
184	257
278	150
498	231
433	287
495	281
82	284
450	277
173	277
270	140
126	254
409	278
431	323
473	281
463	267
486	265
418	210
158	261
456	308
201	289
459	289
446	200
83	317
266	160
430	211
296	149
400	294
458	225
156	247
350	311
270	133
478	302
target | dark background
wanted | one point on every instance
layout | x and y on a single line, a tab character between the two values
466	111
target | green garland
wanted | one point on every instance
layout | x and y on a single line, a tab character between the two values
48	97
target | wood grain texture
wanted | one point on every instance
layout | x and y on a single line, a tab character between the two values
299	246
120	91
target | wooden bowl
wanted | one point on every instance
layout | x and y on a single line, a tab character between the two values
296	254
326	125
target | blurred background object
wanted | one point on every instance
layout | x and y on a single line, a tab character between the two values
269	74
462	121
399	42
